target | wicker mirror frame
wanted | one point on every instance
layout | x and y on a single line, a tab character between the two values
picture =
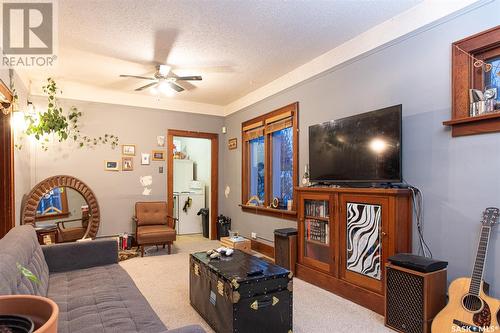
28	213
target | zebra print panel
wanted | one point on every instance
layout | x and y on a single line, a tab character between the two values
363	239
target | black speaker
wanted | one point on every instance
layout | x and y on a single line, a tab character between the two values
413	298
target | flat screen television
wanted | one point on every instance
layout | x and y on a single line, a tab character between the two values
365	148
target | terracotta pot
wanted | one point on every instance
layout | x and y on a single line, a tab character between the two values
43	311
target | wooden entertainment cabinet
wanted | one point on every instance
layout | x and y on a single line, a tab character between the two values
346	235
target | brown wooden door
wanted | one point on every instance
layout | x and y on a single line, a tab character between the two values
316	239
6	176
363	239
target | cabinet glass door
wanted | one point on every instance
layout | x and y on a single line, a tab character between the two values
316	233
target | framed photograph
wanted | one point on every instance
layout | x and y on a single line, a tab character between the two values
161	140
158	155
145	157
128	150
111	166
127	164
232	143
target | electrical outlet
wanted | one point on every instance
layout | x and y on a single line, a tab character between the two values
254	235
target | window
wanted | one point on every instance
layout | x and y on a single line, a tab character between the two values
53	205
282	155
270	159
256	147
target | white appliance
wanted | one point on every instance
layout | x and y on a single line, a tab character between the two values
183	175
184	189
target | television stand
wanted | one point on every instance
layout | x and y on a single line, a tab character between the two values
328	220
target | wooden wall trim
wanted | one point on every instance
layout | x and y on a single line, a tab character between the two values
7	200
7	215
263	248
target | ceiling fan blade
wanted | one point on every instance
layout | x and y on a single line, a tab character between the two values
138	77
146	86
176	87
164	41
190	78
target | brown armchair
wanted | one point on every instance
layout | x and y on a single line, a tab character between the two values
71	234
153	225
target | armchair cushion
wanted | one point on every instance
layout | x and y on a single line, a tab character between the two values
151	234
71	234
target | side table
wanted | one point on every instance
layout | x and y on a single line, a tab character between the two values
46	235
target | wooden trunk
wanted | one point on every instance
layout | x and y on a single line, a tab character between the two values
241	293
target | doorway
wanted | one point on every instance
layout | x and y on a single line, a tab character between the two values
175	138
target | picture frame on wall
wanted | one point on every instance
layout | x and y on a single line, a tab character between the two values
160	139
111	166
232	143
158	155
128	150
145	159
127	164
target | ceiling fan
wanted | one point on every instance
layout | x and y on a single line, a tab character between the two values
164	79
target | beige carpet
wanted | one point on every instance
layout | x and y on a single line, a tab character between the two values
164	281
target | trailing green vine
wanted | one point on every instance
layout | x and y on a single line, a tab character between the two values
55	121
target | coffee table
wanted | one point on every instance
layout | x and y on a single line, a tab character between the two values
241	293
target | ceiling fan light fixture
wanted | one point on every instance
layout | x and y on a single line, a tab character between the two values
164	70
165	88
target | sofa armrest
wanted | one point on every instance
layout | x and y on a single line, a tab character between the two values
78	255
187	329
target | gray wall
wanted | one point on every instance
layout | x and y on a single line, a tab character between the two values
116	191
458	176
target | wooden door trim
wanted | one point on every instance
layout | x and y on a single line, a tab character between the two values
7	200
214	172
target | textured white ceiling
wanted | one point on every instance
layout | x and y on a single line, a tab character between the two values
237	46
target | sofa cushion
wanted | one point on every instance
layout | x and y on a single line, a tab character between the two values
101	299
20	245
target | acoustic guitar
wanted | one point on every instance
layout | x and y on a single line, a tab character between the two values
469	309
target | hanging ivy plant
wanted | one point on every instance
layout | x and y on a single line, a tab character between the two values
54	121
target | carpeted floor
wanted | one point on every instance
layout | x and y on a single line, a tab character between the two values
164	281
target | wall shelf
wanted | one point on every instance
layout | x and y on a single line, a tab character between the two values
487	123
484	47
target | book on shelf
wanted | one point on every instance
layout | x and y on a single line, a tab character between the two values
319	208
317	231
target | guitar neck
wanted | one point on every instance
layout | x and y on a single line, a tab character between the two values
478	270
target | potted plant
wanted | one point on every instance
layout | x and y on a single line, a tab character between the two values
28	313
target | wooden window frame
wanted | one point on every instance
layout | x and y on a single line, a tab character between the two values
289	111
465	76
